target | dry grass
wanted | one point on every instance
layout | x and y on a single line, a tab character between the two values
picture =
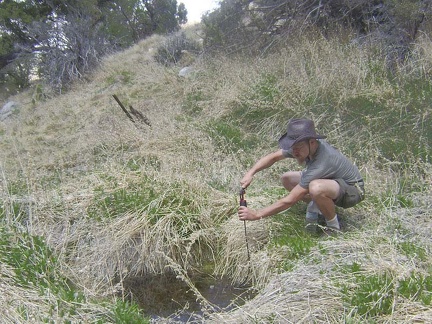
58	156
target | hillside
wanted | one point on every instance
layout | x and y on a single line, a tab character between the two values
91	200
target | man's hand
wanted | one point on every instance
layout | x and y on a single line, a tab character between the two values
246	181
263	163
245	213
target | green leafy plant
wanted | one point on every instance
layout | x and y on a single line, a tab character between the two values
31	259
417	287
128	313
372	295
35	265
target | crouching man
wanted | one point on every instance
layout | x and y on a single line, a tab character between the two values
329	179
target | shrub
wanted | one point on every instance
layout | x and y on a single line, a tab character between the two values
175	48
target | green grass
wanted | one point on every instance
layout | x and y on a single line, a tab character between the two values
259	106
18	186
417	287
374	295
14	210
31	259
119	202
288	233
266	88
149	196
123	76
413	250
149	161
397	123
35	266
398	195
379	118
290	236
228	137
192	102
154	199
128	313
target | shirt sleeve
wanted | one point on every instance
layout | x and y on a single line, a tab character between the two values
309	174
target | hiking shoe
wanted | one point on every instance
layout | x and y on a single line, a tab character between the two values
342	223
321	220
311	226
330	231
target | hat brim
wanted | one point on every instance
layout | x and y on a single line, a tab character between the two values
285	143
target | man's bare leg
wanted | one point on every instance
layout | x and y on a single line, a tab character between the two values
290	180
323	193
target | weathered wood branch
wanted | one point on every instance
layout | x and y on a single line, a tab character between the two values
138	115
123	108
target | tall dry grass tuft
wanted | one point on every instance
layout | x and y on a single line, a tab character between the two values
113	199
241	256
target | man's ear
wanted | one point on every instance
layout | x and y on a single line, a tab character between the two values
313	141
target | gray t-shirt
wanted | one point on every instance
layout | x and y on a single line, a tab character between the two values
327	163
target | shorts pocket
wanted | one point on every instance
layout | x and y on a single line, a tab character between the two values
352	197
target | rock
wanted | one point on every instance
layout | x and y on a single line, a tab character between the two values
186	72
8	109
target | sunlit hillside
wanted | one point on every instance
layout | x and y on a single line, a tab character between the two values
91	201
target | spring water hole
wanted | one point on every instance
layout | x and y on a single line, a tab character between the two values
167	296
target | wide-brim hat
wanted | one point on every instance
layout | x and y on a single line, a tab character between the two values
298	129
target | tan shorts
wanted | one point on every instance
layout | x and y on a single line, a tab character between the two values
349	195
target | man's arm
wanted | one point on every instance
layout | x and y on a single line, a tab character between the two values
294	196
263	163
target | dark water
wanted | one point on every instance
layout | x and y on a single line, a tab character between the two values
167	296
